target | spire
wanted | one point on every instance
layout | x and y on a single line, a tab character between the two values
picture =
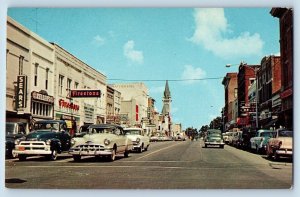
167	93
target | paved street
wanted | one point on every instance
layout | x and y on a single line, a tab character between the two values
166	165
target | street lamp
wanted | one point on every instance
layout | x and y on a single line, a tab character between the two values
256	88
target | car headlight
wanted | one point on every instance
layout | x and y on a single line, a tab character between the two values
106	142
17	141
48	142
73	141
138	140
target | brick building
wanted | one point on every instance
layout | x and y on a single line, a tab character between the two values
285	16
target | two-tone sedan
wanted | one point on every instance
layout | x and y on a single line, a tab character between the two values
101	140
280	145
141	141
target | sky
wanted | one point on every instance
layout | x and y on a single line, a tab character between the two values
187	46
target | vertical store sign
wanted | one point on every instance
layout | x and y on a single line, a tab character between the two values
21	91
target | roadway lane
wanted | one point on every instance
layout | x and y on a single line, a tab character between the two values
166	165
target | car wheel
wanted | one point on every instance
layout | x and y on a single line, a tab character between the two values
276	156
76	158
22	157
205	146
113	155
141	148
222	146
146	148
53	155
126	153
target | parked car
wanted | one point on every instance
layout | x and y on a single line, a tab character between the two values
13	131
215	138
247	134
280	145
141	141
259	141
225	137
237	139
230	137
48	138
153	138
101	140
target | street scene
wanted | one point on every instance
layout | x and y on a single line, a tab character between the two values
139	98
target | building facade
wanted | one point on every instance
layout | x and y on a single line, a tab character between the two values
29	76
231	93
285	16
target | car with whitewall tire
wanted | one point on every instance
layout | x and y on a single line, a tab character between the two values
102	140
141	141
48	138
259	141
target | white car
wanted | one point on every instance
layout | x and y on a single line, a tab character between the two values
141	141
101	140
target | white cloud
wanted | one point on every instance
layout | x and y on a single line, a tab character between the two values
192	73
98	40
211	25
132	54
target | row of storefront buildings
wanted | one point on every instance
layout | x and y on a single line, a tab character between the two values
261	96
44	81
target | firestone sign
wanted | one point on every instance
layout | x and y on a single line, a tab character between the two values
21	91
85	93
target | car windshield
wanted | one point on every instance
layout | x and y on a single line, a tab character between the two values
284	133
132	132
10	127
47	126
267	134
215	135
100	130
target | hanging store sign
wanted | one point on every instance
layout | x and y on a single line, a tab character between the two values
85	93
21	91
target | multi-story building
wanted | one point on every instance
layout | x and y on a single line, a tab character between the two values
73	74
113	105
246	76
269	81
231	91
285	16
134	103
29	75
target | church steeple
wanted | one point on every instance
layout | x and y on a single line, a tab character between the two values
166	100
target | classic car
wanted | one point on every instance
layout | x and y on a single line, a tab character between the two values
214	138
259	141
225	137
140	140
13	131
280	145
179	137
153	138
237	139
101	140
48	138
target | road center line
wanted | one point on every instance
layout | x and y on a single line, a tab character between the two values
157	151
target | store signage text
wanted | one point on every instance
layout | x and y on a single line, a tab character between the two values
66	104
42	97
85	93
21	91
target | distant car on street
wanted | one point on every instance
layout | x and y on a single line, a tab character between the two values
237	139
153	138
214	138
141	141
280	145
101	140
179	137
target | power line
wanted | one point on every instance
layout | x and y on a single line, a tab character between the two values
197	79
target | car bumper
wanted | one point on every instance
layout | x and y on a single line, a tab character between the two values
215	143
32	150
91	152
284	152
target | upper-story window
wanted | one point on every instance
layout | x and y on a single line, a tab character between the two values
69	81
36	73
60	84
21	60
47	78
76	85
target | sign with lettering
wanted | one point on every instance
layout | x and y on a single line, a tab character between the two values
21	91
65	104
42	97
85	93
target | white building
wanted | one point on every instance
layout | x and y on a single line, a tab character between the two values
134	102
29	75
